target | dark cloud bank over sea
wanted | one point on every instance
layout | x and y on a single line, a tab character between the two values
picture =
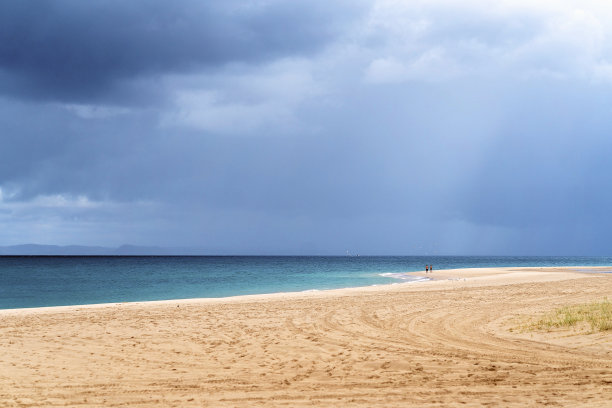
307	127
76	51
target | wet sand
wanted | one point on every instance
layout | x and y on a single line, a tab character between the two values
449	342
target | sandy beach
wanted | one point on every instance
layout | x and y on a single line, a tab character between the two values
448	342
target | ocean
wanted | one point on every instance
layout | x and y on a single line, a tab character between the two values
36	281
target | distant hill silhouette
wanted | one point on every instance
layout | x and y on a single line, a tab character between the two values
36	249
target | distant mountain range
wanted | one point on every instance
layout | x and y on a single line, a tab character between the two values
35	249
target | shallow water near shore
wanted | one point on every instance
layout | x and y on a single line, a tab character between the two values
37	281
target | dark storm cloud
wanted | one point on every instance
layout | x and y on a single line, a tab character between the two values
73	50
264	127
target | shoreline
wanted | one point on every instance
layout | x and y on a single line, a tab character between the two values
371	347
439	279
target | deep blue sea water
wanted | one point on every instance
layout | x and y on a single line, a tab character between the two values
34	281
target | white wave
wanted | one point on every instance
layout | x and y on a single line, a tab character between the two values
405	276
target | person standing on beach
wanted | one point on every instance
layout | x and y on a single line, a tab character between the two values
430	268
426	268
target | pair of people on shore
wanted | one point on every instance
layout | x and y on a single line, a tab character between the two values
428	268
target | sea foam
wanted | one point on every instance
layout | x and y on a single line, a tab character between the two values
404	276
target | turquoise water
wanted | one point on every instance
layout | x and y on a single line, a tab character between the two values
31	281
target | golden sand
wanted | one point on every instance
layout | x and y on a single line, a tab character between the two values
443	343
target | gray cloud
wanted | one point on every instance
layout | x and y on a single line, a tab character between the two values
283	127
69	50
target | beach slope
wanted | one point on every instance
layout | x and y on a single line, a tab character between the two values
455	341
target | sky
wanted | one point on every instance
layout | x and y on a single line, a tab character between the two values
379	127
